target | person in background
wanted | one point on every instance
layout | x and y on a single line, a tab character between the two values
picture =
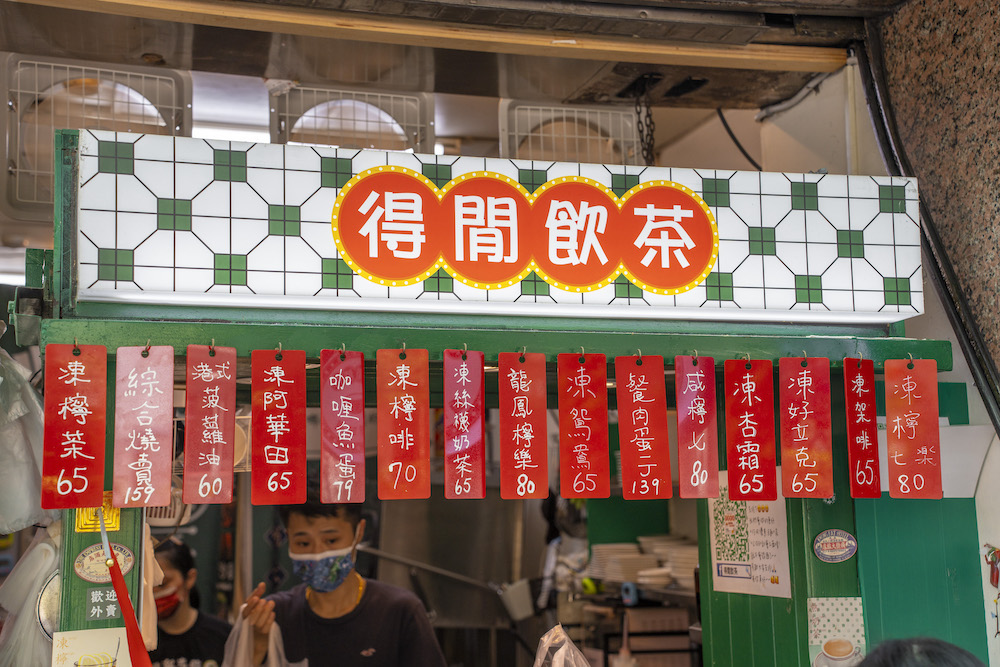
336	616
185	637
919	652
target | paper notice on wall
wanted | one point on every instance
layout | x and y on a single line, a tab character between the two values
749	544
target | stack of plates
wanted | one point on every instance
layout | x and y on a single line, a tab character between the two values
656	576
625	567
601	555
683	559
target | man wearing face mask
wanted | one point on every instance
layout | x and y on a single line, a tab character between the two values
336	616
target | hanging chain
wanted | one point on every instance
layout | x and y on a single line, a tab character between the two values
645	124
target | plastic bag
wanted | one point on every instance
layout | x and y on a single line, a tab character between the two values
555	649
21	418
22	643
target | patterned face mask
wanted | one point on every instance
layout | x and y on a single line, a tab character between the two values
323	572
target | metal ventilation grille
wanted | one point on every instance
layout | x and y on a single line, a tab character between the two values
601	135
354	119
45	95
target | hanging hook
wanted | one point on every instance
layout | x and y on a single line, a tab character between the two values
211	348
696	356
343	347
277	351
524	348
76	345
638	353
910	354
146	350
404	346
465	347
804	355
746	355
582	351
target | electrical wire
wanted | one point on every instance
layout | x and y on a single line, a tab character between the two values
737	141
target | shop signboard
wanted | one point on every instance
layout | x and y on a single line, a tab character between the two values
342	426
524	465
74	432
323	228
642	427
144	426
911	413
697	427
464	424
584	467
278	426
806	427
862	433
209	424
750	451
404	464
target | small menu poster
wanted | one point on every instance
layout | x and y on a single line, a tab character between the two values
749	541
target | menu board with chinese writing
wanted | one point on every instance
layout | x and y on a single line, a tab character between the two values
806	427
210	424
750	429
697	427
911	413
584	468
749	542
464	424
342	426
862	434
524	464
75	413
278	423
642	427
144	426
404	455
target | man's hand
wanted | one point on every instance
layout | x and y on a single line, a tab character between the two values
260	614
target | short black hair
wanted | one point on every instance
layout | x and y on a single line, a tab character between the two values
920	652
313	507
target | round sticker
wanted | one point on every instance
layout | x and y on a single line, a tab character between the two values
835	546
91	564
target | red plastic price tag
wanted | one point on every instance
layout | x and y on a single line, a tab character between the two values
342	417
209	424
584	469
911	415
697	427
278	425
464	424
524	461
642	428
750	430
75	413
806	433
404	454
862	439
144	426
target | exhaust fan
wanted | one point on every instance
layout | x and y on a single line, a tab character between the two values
598	134
44	94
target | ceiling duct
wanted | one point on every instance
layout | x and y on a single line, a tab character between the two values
45	94
599	135
353	118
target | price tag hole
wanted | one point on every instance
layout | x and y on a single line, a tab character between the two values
638	362
277	357
144	353
211	353
402	355
76	352
694	361
804	363
910	365
464	357
582	360
343	356
521	359
748	366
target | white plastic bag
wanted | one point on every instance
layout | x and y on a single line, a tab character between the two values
555	649
20	450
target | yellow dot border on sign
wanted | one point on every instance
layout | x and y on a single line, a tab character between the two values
440	262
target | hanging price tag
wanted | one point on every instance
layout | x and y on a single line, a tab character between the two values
806	433
697	427
862	440
750	430
642	428
584	469
464	424
342	417
524	462
404	455
278	417
75	413
209	424
144	426
911	414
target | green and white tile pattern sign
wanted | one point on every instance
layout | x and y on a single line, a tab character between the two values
193	221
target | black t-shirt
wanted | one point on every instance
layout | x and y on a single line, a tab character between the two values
202	646
388	628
